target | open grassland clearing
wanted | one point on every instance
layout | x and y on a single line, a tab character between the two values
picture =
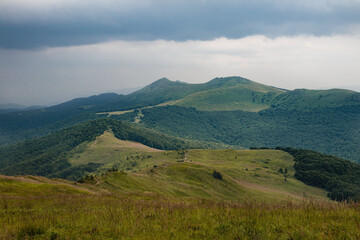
252	98
245	175
65	215
107	149
265	170
256	174
177	199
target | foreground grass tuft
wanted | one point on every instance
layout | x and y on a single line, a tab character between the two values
152	216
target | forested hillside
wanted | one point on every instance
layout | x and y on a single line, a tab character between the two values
232	111
48	156
330	130
339	177
24	125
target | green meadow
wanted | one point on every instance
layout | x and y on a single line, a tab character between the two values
57	211
257	174
144	193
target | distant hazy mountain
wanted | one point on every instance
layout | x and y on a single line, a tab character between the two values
6	108
125	91
11	106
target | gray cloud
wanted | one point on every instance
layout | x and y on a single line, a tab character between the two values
70	22
58	74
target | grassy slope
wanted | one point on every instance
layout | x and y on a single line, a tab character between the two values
252	97
107	150
177	199
28	186
40	208
219	94
193	177
184	173
62	213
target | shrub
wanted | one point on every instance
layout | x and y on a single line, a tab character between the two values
217	175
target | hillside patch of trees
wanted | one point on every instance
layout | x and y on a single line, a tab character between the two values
341	178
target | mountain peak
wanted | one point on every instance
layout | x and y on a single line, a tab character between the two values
228	81
162	80
164	83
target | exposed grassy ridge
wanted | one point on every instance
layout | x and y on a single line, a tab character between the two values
250	97
189	173
49	155
65	215
107	149
246	174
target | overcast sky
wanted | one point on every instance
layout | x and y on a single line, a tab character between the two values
55	50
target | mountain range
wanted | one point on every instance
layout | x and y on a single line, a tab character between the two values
171	131
232	111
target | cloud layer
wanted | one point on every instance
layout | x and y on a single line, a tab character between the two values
26	24
59	74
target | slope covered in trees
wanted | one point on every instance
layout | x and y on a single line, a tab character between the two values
48	156
339	177
232	110
330	130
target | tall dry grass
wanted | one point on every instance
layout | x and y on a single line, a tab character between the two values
151	216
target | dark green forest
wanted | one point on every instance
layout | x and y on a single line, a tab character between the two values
322	120
47	156
337	176
25	125
330	130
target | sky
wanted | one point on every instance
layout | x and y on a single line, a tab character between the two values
52	51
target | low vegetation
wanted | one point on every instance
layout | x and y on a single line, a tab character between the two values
61	212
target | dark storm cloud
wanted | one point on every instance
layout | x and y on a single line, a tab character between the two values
66	23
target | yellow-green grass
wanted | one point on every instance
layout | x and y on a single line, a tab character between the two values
257	169
242	179
247	174
27	186
141	206
107	149
252	98
152	216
